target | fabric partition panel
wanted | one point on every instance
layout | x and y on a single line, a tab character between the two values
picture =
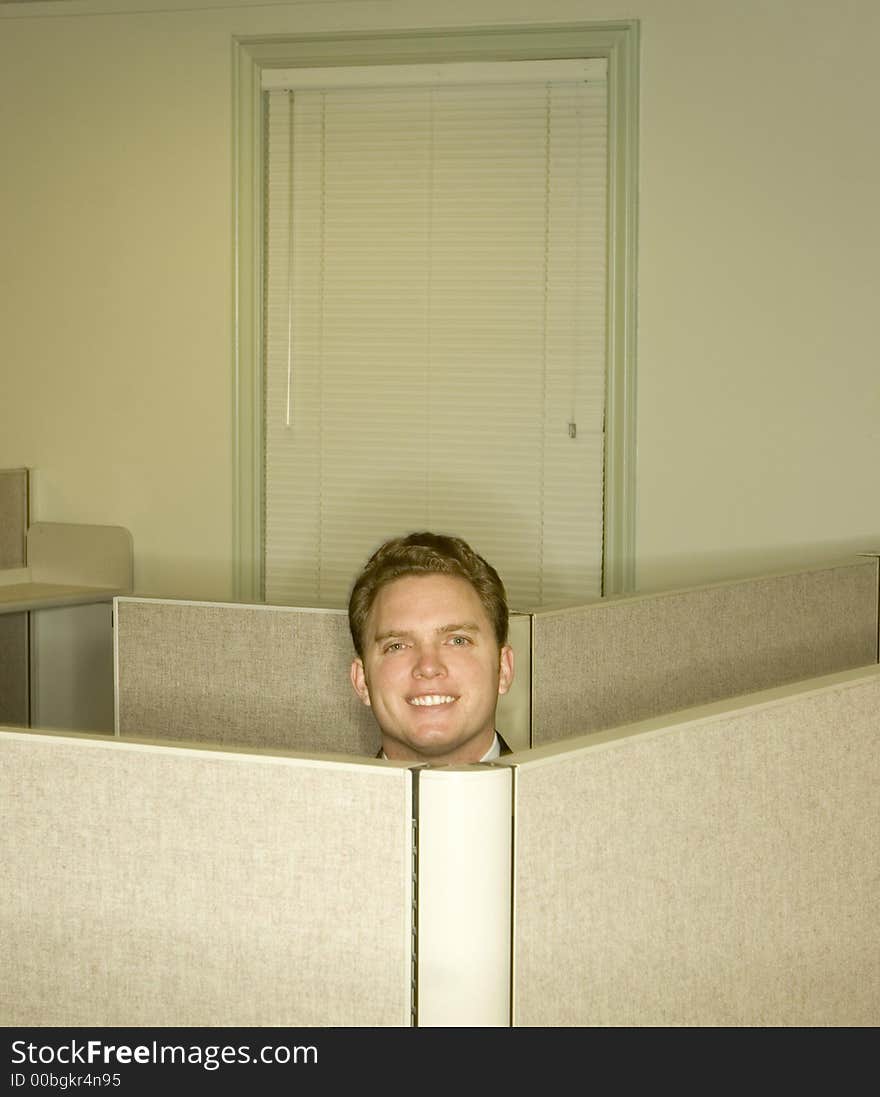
14	511
612	662
266	676
715	868
151	885
259	675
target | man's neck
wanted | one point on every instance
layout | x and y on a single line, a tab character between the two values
465	757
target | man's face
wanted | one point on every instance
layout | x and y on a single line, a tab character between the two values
432	669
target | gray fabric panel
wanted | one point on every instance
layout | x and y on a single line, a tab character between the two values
13	517
255	675
610	663
722	871
14	663
148	885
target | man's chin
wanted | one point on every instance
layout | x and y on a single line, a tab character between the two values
431	727
435	744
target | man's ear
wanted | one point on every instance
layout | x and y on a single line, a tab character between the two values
505	669
359	680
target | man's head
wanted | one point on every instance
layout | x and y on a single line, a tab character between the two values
428	619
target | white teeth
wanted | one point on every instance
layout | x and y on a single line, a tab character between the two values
432	699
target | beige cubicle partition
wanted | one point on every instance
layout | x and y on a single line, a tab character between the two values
266	676
622	659
716	867
167	885
277	676
172	884
14	516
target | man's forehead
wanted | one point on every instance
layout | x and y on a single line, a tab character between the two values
418	602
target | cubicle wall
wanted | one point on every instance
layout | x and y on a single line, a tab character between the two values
14	680
278	676
268	676
169	885
14	516
718	867
611	662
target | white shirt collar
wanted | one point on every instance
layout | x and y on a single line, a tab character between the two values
494	751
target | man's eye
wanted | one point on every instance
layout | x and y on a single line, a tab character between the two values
395	645
459	641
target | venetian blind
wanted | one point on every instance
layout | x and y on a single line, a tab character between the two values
435	301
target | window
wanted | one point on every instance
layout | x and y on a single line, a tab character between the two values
437	322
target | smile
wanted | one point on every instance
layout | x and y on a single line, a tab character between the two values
432	699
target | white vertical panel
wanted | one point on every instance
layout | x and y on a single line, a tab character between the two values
464	896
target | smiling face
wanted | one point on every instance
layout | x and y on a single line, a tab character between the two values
432	669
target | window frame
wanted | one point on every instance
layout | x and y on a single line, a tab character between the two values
618	42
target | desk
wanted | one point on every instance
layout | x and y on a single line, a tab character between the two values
56	626
17	597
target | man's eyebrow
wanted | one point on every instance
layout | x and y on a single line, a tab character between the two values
396	633
406	634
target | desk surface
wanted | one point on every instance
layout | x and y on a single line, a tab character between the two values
16	597
68	564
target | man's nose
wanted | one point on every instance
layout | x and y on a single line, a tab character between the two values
429	662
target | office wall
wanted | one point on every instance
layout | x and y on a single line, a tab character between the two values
757	391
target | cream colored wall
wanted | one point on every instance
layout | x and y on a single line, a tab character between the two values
759	388
758	391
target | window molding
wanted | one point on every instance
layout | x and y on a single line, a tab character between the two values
618	42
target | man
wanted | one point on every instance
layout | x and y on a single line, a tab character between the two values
428	618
